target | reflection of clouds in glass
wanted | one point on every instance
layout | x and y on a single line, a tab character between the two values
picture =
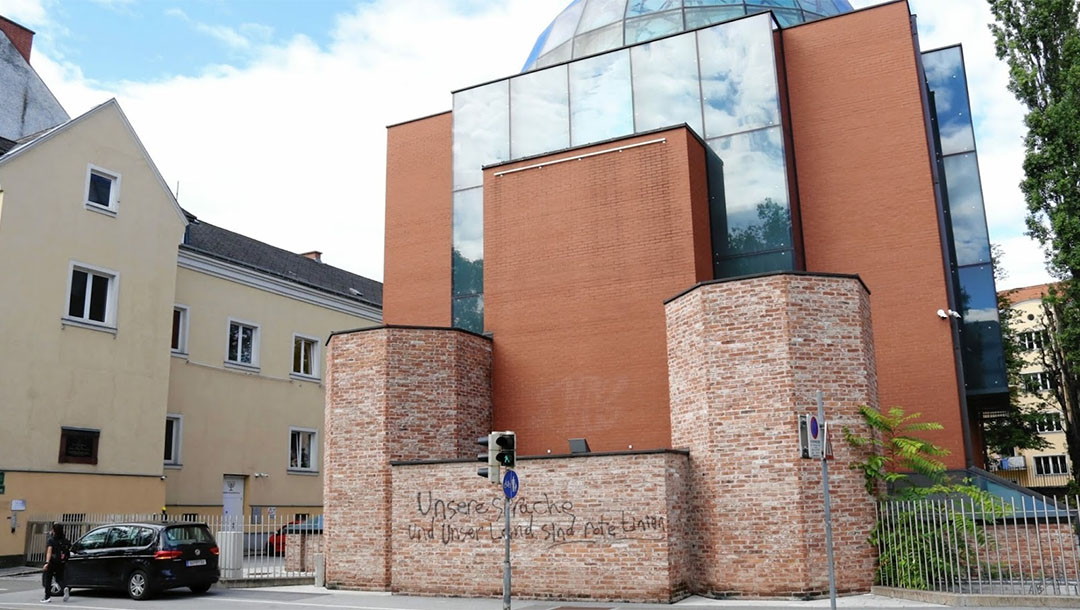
738	74
666	88
700	17
643	7
600	98
648	28
754	172
600	40
600	13
558	56
945	76
564	26
539	112
481	131
966	209
469	223
989	314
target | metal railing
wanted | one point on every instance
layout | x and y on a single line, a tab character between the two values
1020	546
252	547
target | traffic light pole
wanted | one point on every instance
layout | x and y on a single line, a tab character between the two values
506	556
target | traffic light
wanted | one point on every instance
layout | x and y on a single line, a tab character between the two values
506	449
491	471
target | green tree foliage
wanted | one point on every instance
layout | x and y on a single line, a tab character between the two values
1055	359
893	450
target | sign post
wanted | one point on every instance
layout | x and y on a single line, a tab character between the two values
828	512
510	489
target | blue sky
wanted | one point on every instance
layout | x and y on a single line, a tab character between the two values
270	115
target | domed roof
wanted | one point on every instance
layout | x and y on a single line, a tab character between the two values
587	27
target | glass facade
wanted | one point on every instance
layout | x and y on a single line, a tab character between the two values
587	27
980	330
720	80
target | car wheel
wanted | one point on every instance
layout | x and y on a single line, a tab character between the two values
138	585
199	588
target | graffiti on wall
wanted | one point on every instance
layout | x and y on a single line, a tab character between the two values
542	518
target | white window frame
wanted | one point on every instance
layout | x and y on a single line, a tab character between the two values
182	336
1050	421
314	469
1042	379
178	438
256	336
114	190
109	325
1046	465
315	357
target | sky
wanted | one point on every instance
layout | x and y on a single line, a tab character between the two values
269	116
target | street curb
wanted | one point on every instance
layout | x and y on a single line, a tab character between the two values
966	600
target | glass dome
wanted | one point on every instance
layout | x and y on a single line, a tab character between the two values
587	27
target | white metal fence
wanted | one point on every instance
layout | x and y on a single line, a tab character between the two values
251	548
1020	546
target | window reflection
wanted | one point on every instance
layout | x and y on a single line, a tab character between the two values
597	41
655	26
558	56
468	313
966	209
481	131
539	112
750	265
644	7
468	242
599	13
984	365
600	98
946	78
564	26
700	17
738	76
666	90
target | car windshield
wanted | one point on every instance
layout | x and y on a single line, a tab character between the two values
187	534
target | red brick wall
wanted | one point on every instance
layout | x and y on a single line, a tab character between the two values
392	394
22	38
867	198
746	357
604	527
579	257
419	222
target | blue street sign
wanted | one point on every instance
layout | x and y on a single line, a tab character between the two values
510	484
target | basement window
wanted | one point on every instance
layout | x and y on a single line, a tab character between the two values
79	445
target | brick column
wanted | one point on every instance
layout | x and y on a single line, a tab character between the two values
392	393
745	358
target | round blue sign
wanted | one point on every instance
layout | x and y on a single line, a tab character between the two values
510	484
814	430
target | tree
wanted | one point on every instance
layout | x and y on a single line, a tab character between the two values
1064	385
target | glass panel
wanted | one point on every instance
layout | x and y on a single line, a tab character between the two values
169	423
564	26
654	26
308	354
666	90
99	189
945	77
966	208
605	39
756	213
751	265
600	99
701	17
481	131
690	3
467	255
176	329
77	301
539	112
785	17
644	7
738	73
600	13
780	3
824	7
468	313
558	56
234	342
247	341
980	337
298	356
99	296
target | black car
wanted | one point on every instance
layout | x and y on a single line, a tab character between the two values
143	558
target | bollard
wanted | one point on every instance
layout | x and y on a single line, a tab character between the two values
231	559
320	569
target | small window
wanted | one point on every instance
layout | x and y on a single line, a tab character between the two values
102	190
1032	340
1051	464
305	356
302	450
1037	382
243	344
92	296
1049	422
179	329
79	446
173	436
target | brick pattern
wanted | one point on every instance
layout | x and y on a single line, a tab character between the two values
300	550
600	527
745	359
22	38
392	394
580	324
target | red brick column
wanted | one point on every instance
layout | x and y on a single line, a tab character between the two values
745	358
392	393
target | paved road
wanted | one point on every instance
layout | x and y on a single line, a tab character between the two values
19	593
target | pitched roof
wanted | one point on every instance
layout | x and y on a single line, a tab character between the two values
1027	293
224	245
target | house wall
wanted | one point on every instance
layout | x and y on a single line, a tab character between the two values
867	198
579	257
57	374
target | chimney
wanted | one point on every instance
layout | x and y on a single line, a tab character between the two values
21	37
314	255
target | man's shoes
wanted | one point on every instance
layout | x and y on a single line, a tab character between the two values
46	600
67	593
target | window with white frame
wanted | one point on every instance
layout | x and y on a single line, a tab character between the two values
1031	340
305	356
1051	464
178	342
92	295
173	436
1049	422
303	449
243	343
102	189
1037	382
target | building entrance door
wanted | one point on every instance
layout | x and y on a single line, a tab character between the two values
232	500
